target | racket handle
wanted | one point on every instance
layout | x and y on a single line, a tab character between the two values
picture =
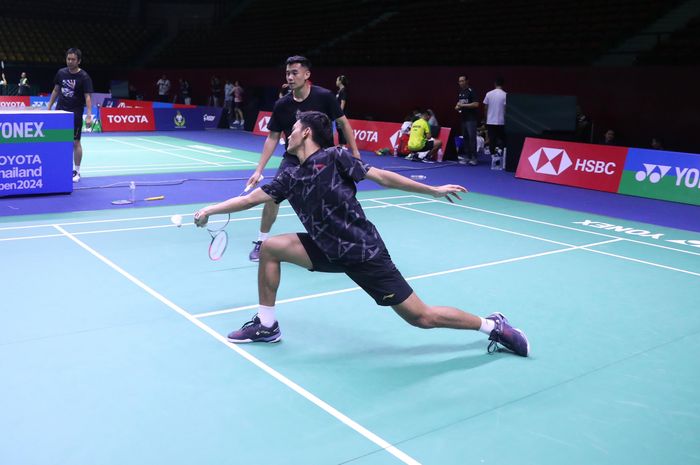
250	186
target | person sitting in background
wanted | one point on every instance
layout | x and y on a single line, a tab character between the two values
609	138
421	139
657	143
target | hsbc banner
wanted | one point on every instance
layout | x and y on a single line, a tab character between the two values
127	119
175	119
662	175
589	166
211	116
369	135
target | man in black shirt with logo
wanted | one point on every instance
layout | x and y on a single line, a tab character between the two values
340	239
73	90
302	97
467	105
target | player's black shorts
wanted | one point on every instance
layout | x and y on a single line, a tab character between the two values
77	122
378	277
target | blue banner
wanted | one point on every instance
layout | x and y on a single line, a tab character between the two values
211	116
36	153
175	119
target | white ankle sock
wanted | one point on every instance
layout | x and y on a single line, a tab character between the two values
486	326
77	168
266	315
263	236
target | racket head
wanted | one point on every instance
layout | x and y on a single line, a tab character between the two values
217	246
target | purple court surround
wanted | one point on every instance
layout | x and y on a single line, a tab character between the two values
88	194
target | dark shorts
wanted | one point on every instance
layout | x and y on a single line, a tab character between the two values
429	144
378	277
77	122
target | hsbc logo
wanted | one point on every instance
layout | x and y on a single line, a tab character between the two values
127	119
550	161
652	172
395	138
262	124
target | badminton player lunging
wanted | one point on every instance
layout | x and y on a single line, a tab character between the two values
73	89
340	239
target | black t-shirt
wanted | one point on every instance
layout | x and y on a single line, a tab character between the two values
468	96
322	193
72	89
284	113
343	95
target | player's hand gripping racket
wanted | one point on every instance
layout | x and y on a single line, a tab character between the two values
219	237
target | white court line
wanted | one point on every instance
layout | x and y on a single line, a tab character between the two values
385	445
156	165
547	240
412	278
164	151
559	225
201	151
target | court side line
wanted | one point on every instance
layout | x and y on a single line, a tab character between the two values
680	270
139	218
164	151
547	240
560	225
477	224
412	278
200	151
244	354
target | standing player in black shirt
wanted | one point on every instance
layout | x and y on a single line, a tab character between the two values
302	97
340	239
73	89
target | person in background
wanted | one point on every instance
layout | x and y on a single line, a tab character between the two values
609	137
495	109
303	97
341	82
228	101
657	143
23	88
238	93
467	107
3	85
163	85
214	91
72	91
421	139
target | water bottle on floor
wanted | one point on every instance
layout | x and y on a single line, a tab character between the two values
132	192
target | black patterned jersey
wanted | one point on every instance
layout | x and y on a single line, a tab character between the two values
322	191
72	88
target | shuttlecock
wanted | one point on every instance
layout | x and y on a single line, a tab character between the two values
176	220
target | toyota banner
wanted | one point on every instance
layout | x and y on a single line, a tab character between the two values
645	173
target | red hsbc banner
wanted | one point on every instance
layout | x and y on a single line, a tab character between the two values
127	119
14	102
589	166
369	135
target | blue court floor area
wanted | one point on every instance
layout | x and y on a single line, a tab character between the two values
114	320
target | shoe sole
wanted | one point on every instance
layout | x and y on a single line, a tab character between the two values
254	259
247	341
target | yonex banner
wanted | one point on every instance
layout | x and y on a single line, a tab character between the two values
174	119
14	102
127	119
662	175
36	152
590	166
369	135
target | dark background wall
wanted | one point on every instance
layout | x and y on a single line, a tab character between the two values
636	102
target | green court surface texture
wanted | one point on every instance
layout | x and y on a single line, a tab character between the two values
113	347
120	155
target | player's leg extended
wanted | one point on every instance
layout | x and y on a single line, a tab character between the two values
418	313
274	251
77	152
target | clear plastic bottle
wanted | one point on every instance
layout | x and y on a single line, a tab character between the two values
419	177
132	192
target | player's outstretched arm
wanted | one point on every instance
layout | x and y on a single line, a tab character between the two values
232	205
396	181
54	96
